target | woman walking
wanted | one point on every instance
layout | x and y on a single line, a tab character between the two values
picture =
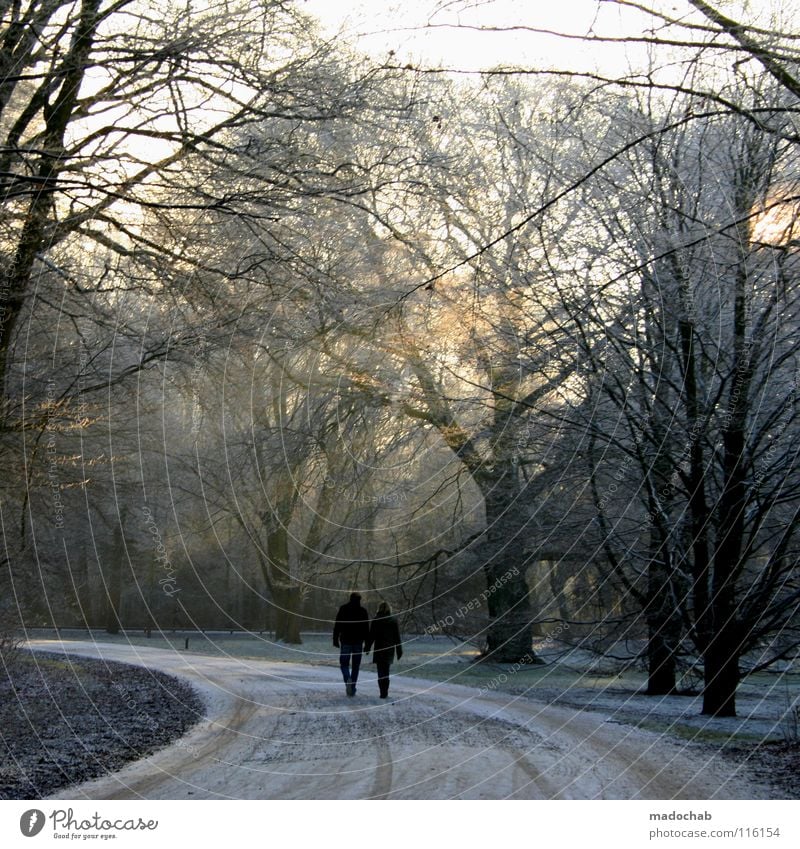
384	636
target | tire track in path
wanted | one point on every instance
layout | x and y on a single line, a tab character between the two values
287	731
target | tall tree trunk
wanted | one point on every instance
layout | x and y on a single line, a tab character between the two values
721	659
663	621
286	596
288	603
661	612
721	669
57	114
114	584
84	590
699	513
509	635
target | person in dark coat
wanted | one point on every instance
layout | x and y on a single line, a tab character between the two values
384	635
350	632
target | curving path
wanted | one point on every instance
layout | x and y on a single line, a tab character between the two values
287	731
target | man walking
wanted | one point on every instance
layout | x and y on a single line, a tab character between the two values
350	632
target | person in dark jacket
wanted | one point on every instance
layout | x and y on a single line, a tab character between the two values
350	632
384	635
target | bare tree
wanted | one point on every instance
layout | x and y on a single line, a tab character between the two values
698	361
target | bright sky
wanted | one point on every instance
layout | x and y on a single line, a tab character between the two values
428	31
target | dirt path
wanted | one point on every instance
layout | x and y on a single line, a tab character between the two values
287	731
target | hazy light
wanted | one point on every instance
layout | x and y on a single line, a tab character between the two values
475	36
778	224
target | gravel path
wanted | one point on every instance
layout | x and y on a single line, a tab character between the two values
64	720
287	731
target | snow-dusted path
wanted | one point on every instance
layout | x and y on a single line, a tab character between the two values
287	731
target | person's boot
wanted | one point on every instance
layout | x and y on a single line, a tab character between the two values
350	688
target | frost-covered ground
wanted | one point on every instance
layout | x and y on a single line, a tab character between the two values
64	720
278	725
766	702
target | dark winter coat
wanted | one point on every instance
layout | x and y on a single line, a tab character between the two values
384	635
352	625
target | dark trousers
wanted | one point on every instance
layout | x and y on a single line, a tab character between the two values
350	661
383	678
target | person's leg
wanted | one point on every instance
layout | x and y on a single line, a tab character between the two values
357	650
383	679
344	662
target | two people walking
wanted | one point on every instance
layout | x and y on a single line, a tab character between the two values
354	634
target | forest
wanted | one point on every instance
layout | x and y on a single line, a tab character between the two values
516	349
